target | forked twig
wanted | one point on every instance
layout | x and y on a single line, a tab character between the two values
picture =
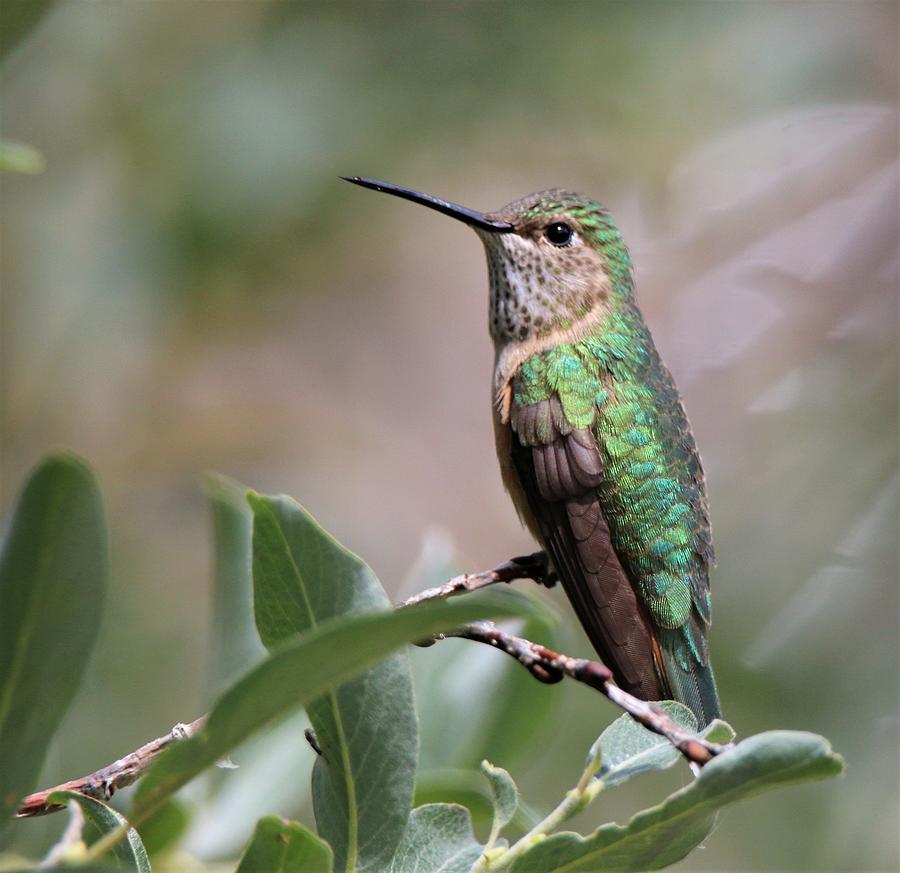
550	667
544	664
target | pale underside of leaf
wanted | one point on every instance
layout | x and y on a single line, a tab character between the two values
664	834
504	797
438	839
627	748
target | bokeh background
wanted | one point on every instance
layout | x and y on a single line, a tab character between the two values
187	286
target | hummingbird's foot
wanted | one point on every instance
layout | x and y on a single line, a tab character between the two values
535	566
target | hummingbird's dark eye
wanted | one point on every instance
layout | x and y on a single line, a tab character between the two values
559	233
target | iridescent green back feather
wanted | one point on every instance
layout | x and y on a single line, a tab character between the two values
614	383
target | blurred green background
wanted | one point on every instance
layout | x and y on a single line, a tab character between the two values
188	286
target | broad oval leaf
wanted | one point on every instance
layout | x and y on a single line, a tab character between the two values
280	846
626	748
130	853
437	839
53	579
297	672
666	833
363	781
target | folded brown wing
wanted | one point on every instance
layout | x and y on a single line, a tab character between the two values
560	470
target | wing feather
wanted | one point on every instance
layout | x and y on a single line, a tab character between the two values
560	478
607	475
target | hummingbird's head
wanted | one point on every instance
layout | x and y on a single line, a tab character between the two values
555	259
556	267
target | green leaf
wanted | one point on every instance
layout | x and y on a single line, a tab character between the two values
300	671
235	644
504	795
53	579
166	827
664	834
16	157
437	839
460	787
718	731
627	748
467	788
20	17
364	779
130	853
280	846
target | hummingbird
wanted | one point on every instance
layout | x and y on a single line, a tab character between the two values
594	445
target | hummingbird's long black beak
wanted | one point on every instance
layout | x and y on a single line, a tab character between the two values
469	216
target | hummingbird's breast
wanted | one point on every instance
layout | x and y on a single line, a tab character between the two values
533	293
516	275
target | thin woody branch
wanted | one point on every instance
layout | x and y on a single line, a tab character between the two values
534	566
103	783
544	664
550	667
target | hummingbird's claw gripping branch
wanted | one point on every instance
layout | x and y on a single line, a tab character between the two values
535	566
